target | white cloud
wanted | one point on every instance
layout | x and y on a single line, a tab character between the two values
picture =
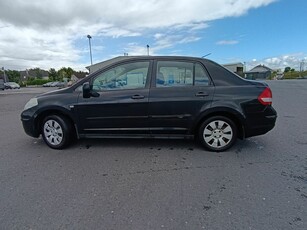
227	42
43	32
280	62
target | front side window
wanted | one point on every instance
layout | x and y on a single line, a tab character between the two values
125	76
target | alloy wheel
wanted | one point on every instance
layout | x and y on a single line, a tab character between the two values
218	134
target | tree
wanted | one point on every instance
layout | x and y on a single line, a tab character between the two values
53	75
13	75
38	73
69	72
287	69
65	73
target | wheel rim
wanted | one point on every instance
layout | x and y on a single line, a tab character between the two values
53	132
218	134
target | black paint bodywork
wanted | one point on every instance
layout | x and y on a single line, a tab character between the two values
157	112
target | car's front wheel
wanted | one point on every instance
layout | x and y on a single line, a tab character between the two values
218	133
56	131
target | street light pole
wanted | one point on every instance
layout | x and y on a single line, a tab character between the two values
4	77
147	50
89	42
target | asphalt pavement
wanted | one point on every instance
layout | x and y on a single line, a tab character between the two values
260	183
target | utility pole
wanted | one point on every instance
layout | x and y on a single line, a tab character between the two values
4	77
302	66
89	42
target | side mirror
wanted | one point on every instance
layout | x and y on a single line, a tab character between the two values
88	92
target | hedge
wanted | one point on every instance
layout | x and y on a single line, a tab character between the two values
37	81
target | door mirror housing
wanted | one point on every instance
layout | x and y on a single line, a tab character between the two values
88	92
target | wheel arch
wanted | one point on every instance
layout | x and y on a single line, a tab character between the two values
54	111
234	115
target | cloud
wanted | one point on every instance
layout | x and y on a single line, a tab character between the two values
131	14
43	33
280	62
227	42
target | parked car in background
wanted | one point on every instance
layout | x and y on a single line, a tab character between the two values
54	83
164	97
48	84
60	84
11	85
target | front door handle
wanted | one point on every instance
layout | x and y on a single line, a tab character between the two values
201	94
138	97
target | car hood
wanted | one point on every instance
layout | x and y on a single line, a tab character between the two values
54	92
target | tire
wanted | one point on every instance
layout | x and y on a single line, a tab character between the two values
217	133
56	131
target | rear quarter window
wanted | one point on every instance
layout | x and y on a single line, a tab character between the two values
222	76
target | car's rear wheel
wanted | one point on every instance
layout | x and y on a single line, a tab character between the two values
218	133
56	131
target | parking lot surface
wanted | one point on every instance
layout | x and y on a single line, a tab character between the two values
260	183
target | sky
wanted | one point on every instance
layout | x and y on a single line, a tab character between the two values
53	33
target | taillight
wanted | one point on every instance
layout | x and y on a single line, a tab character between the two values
265	97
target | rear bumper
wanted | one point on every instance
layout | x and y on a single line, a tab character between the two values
261	123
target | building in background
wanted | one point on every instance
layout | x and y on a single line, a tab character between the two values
237	68
261	72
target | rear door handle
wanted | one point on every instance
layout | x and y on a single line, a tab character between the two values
138	97
201	94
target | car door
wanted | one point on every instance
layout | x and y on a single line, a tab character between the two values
180	91
122	105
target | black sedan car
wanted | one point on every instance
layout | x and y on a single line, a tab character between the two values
165	97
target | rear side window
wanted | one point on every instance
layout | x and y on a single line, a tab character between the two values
177	73
201	76
172	73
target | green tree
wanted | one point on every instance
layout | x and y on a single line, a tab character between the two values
69	72
61	74
53	75
287	69
38	73
65	73
13	75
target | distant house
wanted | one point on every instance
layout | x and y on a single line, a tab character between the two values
100	65
237	68
259	72
76	76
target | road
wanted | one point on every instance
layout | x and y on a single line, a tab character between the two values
260	183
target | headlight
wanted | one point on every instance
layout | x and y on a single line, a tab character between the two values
33	102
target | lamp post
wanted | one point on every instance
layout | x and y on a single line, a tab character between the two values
89	42
4	77
147	50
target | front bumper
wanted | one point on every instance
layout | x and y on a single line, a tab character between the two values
29	125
